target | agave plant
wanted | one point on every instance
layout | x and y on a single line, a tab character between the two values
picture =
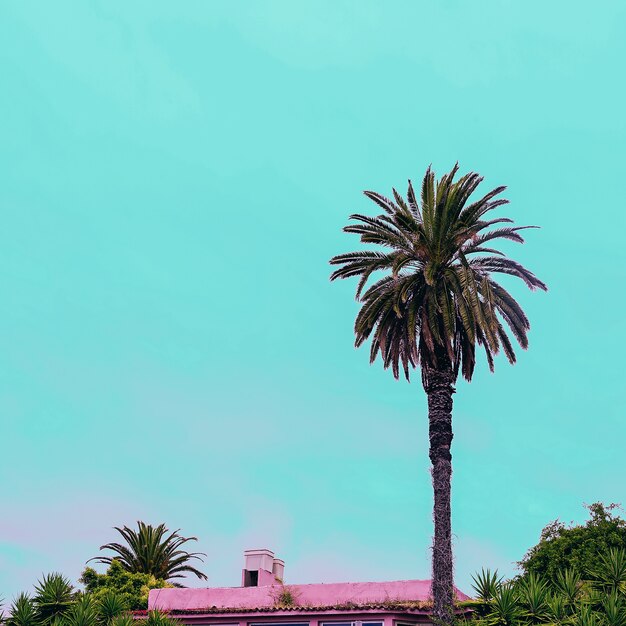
557	608
150	550
611	575
123	619
23	612
614	609
84	612
110	605
586	617
567	584
54	595
485	585
156	618
505	607
533	597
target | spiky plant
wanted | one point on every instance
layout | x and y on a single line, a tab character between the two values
124	619
150	550
614	609
23	612
558	609
611	574
54	595
485	585
437	300
534	596
84	612
505	607
157	618
586	617
110	605
567	584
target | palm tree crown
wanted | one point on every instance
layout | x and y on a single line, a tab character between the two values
439	298
150	551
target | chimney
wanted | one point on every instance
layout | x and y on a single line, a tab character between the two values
278	569
261	568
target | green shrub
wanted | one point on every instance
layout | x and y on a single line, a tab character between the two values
130	589
566	599
576	547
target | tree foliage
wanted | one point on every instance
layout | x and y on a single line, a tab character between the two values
438	298
151	550
580	548
130	588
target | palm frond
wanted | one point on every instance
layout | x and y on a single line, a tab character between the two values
440	297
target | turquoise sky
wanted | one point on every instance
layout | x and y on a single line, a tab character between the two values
174	179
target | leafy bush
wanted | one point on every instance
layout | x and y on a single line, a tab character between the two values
131	589
576	547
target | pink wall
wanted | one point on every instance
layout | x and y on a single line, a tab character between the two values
313	595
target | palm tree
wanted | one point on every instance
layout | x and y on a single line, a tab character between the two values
437	300
149	551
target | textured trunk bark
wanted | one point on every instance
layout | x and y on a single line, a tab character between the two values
439	387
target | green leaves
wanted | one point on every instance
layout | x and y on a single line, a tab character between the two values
581	548
110	605
84	612
75	609
439	297
150	550
54	595
563	597
610	575
23	612
156	618
129	588
534	600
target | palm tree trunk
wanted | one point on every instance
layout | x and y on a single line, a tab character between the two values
439	387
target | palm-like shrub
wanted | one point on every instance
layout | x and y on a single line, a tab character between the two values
151	550
565	600
485	585
54	595
568	586
57	604
110	605
84	612
23	612
611	575
436	301
533	594
506	610
124	619
156	618
614	609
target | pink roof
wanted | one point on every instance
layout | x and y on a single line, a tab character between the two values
322	594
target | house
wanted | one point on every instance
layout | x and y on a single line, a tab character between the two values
264	600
